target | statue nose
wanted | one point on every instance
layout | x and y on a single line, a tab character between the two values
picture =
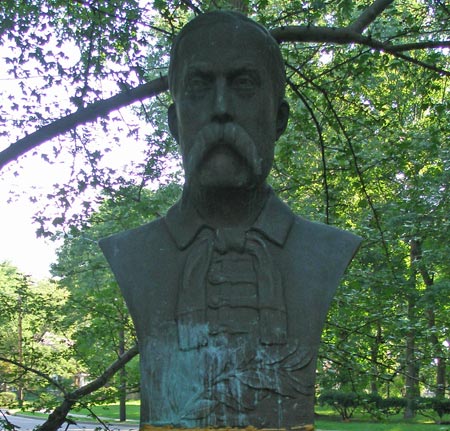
222	108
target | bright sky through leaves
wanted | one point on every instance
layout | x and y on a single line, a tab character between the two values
25	183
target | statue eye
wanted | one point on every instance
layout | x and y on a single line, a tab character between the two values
245	83
197	84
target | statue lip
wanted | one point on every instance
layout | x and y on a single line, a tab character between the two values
222	149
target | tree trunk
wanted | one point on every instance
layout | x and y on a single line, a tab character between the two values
411	379
123	380
20	394
439	357
441	373
412	367
374	359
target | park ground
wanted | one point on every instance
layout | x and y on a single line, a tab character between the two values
327	420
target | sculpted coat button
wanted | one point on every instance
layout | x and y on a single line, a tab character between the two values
216	278
214	301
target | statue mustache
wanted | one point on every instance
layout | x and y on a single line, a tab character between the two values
229	134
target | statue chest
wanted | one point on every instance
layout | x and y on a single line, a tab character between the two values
231	294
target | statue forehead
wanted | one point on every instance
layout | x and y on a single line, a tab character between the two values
215	39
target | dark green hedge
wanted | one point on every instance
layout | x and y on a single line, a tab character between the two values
345	403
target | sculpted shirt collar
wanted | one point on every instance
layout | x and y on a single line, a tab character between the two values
274	222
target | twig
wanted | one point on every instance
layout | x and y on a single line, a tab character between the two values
34	371
322	148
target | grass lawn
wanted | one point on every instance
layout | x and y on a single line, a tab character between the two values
111	411
356	425
327	420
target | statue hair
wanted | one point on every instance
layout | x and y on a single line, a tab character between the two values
276	64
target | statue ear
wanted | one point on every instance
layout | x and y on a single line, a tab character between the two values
282	118
173	121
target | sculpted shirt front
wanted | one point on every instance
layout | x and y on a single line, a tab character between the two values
229	320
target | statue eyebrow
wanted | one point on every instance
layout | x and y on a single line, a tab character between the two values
246	70
201	68
206	71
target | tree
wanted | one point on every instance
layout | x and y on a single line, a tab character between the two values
35	356
87	26
31	337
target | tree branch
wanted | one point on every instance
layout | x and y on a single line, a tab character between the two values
311	34
59	414
416	251
34	371
83	115
344	36
314	34
420	45
369	15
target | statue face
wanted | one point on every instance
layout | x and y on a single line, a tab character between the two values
226	117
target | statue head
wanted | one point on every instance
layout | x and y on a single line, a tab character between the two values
227	80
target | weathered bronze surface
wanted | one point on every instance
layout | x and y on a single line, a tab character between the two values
229	291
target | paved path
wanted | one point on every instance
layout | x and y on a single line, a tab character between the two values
27	424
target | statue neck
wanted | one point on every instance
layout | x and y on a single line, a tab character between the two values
228	207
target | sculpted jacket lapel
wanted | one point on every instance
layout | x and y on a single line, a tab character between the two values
189	232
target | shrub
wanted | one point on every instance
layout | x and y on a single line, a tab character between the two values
440	405
344	403
7	399
392	406
371	403
379	407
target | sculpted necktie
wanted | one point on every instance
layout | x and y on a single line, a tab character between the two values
193	330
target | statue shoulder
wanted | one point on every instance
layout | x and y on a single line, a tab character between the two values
328	244
327	233
130	243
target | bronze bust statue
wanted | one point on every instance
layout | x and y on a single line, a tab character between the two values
229	291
